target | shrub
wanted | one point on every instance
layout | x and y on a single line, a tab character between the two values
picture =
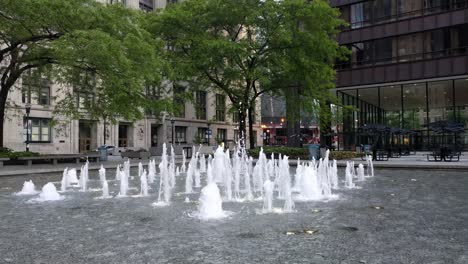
292	153
344	155
301	153
8	153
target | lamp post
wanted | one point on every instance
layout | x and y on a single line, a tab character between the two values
172	122
28	110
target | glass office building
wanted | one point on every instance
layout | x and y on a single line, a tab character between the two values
408	67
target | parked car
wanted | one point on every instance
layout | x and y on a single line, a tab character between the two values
110	149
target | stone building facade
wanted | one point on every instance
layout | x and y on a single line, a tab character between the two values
206	120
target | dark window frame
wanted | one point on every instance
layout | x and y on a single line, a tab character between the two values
40	126
200	105
220	107
180	132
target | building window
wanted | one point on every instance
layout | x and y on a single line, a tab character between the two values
384	10
220	107
146	5
39	130
221	135
362	53
235	117
200	105
84	100
123	2
180	134
35	89
202	135
179	102
361	14
84	91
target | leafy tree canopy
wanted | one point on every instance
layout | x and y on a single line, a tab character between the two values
244	48
85	46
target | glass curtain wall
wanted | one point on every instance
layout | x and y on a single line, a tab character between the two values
411	47
409	107
382	11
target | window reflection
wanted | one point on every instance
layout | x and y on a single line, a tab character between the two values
414	105
440	97
391	103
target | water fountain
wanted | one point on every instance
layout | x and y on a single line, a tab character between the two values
123	183
72	177
268	187
202	163
309	188
184	161
247	187
126	169
143	184
140	169
360	173
297	177
334	175
218	165
288	202
105	190
210	202
48	193
172	180
237	173
235	177
164	196
197	178
189	179
118	172
64	182
151	171
102	174
260	172
84	177
370	166
349	175
227	182
28	189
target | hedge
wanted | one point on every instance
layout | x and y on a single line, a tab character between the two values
301	153
8	153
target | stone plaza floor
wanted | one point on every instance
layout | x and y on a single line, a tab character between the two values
422	218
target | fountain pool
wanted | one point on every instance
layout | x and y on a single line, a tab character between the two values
413	223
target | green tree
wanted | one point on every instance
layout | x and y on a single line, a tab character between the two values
244	48
87	46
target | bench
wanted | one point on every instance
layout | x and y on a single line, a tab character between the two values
381	155
451	155
2	160
56	158
435	155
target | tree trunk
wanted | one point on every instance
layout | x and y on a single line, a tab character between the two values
251	112
3	100
293	117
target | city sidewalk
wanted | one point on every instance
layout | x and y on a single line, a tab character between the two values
113	161
417	161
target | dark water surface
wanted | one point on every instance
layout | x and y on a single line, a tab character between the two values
397	217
